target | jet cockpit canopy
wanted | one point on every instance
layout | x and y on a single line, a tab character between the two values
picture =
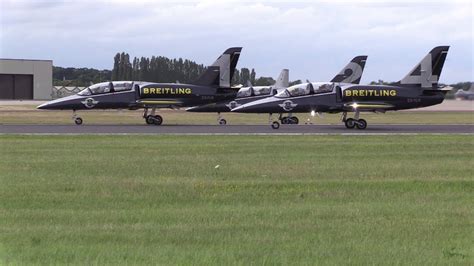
262	90
306	89
244	92
106	87
254	91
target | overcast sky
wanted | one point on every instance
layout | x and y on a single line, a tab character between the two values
314	39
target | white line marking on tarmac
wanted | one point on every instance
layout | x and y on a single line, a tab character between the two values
236	134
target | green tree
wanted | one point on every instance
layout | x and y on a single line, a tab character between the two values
135	68
236	77
115	73
294	82
252	76
244	76
264	81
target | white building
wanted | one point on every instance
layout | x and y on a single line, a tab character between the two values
26	79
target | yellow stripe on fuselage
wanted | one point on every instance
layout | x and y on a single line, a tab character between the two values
373	106
161	102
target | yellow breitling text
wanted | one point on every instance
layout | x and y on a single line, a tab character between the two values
167	91
369	93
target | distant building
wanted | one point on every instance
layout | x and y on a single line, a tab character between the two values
63	91
25	79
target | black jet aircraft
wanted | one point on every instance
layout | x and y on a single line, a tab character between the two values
465	95
244	95
351	73
419	88
212	86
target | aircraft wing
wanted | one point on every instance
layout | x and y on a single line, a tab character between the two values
446	88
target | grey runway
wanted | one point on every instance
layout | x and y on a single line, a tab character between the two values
233	129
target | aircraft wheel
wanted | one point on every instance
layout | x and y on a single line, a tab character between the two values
361	124
157	120
350	123
294	120
78	121
150	120
285	120
222	121
275	125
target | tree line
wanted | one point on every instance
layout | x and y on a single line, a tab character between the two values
163	69
80	77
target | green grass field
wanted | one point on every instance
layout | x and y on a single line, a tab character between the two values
364	200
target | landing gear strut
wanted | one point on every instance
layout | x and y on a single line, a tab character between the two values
77	120
354	122
152	118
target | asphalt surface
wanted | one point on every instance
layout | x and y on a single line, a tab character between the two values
232	129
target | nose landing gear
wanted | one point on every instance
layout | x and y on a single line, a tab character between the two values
273	124
221	120
77	120
354	122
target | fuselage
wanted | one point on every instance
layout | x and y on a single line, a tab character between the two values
134	95
244	95
340	97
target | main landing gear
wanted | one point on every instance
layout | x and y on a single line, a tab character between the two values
354	122
284	120
289	120
152	118
77	120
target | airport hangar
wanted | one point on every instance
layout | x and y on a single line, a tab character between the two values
24	79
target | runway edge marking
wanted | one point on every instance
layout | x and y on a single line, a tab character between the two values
238	134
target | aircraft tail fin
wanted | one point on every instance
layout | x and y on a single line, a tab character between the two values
352	73
426	73
220	73
283	79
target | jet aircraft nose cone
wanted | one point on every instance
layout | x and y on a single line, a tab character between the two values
239	108
43	106
193	109
248	108
257	106
61	103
